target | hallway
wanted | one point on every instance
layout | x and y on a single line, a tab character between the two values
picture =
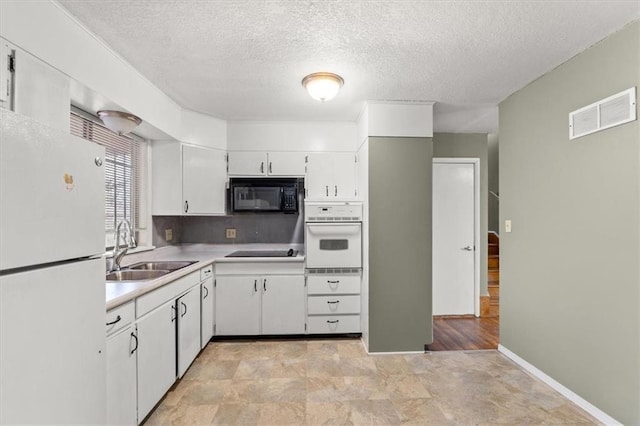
465	333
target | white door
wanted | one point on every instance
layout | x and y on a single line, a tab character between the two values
283	304
52	344
156	356
188	307
286	163
121	377
453	238
203	187
319	175
248	163
206	313
344	176
237	306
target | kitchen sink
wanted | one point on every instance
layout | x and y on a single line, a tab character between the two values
135	275
160	265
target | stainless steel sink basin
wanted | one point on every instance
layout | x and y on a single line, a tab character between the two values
160	265
135	275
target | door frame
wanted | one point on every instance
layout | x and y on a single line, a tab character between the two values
476	222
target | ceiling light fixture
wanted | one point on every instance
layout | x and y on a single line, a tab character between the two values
118	121
323	86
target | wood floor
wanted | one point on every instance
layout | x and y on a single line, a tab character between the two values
465	333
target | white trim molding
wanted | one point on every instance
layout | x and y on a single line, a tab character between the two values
560	388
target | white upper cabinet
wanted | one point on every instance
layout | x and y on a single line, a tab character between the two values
188	179
331	176
250	163
203	180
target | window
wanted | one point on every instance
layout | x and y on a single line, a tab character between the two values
125	174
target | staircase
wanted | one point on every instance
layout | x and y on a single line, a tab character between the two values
493	274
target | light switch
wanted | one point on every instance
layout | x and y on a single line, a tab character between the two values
231	232
507	225
168	234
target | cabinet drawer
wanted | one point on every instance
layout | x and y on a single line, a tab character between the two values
167	292
333	284
119	317
330	305
206	272
333	324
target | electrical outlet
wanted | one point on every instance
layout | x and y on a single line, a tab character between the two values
168	234
231	232
507	225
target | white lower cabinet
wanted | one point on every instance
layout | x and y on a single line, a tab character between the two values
188	307
156	356
121	377
237	306
208	303
283	305
252	305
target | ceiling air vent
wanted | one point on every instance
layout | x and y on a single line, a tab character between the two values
612	111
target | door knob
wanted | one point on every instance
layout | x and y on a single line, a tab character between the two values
467	248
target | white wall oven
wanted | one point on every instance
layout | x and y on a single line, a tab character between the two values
333	235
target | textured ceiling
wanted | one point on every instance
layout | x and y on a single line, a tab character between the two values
245	59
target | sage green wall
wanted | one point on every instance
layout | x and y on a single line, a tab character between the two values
470	145
570	278
400	317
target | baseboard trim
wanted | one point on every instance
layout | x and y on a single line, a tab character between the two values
563	390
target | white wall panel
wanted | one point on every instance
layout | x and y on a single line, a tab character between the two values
291	136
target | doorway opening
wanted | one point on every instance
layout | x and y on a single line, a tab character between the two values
465	317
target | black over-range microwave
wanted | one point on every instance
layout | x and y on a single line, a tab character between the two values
264	194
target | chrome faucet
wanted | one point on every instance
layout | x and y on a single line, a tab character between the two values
118	251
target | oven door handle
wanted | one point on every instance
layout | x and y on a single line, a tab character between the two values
336	230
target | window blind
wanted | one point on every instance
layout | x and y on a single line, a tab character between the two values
125	166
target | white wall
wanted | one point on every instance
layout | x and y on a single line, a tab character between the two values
291	136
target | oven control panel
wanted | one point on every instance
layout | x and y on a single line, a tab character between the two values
333	212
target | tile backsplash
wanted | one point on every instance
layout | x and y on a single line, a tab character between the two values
250	228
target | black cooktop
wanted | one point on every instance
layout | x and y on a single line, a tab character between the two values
263	253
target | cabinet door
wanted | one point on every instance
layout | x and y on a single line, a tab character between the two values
188	307
319	175
283	304
286	164
207	294
248	163
156	356
344	176
203	180
121	377
237	306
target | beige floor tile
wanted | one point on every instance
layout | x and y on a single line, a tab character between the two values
204	393
283	413
237	414
420	412
286	390
392	365
253	369
379	412
283	368
328	413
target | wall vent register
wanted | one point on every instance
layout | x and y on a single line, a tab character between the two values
606	113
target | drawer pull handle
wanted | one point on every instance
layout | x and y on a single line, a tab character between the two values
332	302
333	282
333	322
174	310
136	348
118	318
207	292
255	286
185	309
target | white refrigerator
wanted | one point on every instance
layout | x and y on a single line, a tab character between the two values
52	294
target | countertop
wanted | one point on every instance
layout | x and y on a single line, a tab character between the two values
119	293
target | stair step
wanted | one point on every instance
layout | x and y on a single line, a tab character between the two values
493	238
493	276
494	249
494	262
